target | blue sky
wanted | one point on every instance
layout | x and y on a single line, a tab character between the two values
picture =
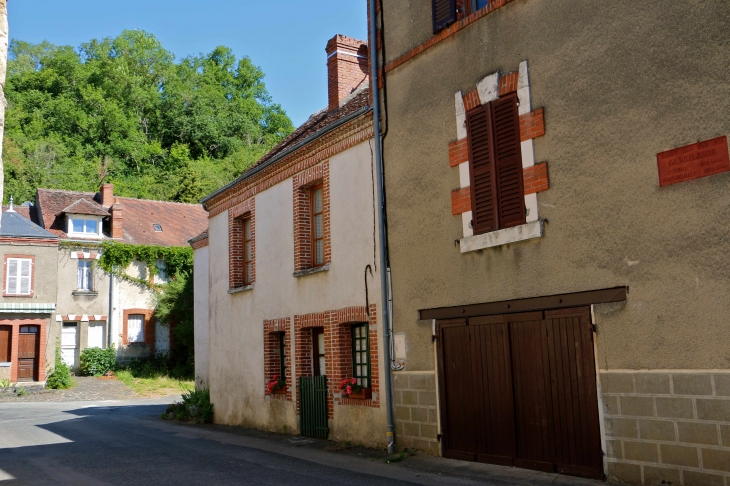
286	38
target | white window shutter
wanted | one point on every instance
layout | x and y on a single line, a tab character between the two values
12	276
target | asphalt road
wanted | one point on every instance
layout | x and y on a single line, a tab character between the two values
125	443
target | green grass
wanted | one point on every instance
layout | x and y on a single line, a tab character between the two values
161	385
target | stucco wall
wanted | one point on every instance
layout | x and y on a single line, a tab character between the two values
236	321
130	295
44	290
201	278
619	83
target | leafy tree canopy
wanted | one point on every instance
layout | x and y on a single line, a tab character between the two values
124	110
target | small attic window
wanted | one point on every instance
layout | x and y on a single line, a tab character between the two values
157	227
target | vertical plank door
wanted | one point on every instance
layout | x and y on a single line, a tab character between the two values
28	342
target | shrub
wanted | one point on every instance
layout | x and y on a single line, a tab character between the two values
60	377
97	361
195	407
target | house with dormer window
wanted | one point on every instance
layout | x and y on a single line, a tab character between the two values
93	308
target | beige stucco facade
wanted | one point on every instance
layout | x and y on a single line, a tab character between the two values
201	277
619	83
43	286
236	320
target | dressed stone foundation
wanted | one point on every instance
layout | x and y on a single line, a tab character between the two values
416	415
667	427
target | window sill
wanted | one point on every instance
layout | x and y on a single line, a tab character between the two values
528	231
240	289
23	296
87	293
5	365
310	271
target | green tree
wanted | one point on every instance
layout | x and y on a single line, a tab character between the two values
123	110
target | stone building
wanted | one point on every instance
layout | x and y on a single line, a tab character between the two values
556	177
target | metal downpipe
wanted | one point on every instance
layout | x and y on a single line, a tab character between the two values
381	215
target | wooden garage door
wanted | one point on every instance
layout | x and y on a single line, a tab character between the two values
520	390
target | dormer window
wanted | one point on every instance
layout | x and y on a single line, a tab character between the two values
86	226
157	227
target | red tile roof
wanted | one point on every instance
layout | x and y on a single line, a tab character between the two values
84	206
179	221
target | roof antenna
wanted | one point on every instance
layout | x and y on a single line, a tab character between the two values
10	209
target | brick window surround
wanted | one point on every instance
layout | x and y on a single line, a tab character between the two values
236	251
15	325
273	329
302	185
338	350
32	276
148	330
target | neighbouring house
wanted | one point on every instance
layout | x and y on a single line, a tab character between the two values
294	284
94	309
201	281
28	299
557	177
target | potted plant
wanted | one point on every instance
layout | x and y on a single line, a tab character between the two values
350	388
276	386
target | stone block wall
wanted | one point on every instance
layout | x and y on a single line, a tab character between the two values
416	415
667	427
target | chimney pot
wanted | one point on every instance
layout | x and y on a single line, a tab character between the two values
347	68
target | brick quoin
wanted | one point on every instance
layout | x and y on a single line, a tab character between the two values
460	200
508	83
535	178
272	330
458	152
532	125
471	99
236	267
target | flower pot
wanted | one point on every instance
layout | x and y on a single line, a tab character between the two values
364	394
280	391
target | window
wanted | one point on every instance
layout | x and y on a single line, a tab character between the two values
84	275
84	226
495	165
157	227
475	5
282	355
247	252
319	368
6	333
317	226
361	354
135	328
18	276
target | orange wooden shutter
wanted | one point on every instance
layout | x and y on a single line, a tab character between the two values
507	155
481	170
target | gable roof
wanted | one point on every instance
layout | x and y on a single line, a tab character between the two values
317	125
179	221
14	225
86	207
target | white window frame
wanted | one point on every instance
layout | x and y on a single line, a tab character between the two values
140	335
77	217
18	277
84	266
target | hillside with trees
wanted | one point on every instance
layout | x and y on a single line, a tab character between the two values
123	110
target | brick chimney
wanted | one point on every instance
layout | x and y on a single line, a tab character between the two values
347	68
107	195
116	218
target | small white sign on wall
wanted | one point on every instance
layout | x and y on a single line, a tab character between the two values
399	341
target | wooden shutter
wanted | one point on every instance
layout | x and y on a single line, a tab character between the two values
508	161
481	170
444	13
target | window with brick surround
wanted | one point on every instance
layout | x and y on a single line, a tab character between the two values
361	354
319	366
317	226
495	165
242	245
312	218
